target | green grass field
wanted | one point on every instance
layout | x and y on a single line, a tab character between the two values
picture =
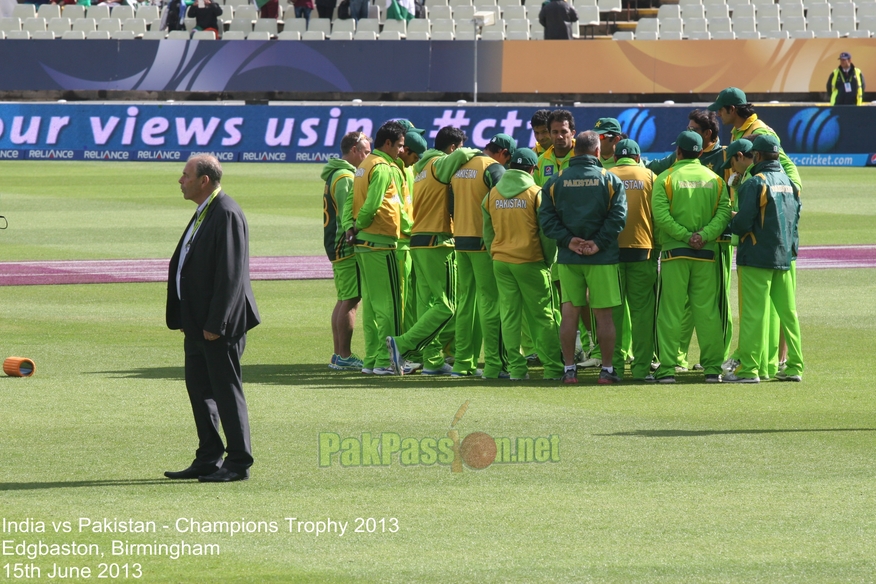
685	483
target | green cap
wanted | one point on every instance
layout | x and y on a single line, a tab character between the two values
524	157
735	147
504	142
689	141
626	149
730	96
607	126
415	142
766	143
409	127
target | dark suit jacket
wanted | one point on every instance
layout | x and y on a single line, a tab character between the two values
216	294
557	16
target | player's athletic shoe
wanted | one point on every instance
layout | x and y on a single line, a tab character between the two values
586	363
347	363
532	360
711	378
333	362
733	378
396	362
729	366
384	371
475	373
698	367
410	367
647	379
655	365
450	359
669	379
680	369
504	375
367	370
580	355
782	376
443	370
570	376
607	377
524	378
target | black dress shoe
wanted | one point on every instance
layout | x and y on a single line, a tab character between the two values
223	475
192	472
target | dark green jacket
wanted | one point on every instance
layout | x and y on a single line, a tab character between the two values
766	223
585	201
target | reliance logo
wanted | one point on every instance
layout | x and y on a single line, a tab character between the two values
263	157
106	155
50	154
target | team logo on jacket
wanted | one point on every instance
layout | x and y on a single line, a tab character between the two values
549	170
814	130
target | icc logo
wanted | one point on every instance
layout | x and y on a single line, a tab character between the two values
814	130
639	126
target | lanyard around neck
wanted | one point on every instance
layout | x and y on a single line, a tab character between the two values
200	218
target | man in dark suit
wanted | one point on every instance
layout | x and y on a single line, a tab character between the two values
209	298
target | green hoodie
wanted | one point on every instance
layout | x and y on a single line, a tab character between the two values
512	183
689	198
338	176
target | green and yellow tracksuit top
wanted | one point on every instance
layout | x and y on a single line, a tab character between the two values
377	203
338	177
755	127
549	165
433	207
766	223
689	198
469	185
586	201
512	232
636	241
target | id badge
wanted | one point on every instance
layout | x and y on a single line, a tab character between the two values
848	87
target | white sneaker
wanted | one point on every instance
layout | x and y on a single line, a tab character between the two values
409	367
733	378
680	369
367	371
729	366
524	378
590	363
384	371
444	370
782	376
698	367
475	373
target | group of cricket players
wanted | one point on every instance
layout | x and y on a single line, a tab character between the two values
576	254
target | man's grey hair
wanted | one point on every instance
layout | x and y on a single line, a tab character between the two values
586	143
207	165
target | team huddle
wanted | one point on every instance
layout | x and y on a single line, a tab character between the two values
576	254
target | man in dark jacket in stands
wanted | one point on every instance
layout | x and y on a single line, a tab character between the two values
556	17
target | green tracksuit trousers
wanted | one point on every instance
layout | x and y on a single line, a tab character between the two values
724	267
436	304
381	303
696	282
525	289
477	315
639	286
757	287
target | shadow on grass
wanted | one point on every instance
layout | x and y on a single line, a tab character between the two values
321	375
689	433
95	483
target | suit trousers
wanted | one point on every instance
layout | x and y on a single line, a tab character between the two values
215	387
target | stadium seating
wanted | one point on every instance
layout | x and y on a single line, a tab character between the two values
229	35
178	35
35	24
97	35
73	35
451	20
73	11
49	11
